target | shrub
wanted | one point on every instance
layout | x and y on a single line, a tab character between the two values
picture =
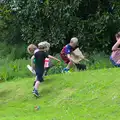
96	61
14	69
10	70
12	52
94	22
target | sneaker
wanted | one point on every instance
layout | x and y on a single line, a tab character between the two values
35	92
65	70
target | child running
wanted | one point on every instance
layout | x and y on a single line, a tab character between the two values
48	64
66	55
39	55
115	56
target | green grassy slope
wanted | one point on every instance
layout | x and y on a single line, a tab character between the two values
90	95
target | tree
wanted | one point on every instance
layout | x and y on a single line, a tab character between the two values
56	21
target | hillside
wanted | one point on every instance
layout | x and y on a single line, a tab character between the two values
90	95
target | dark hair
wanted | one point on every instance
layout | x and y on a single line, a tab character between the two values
117	35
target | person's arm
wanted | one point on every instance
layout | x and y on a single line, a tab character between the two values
53	58
32	62
68	56
116	45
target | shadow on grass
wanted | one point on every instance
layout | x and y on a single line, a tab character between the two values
4	93
48	80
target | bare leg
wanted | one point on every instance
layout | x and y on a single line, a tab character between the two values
35	81
37	85
70	64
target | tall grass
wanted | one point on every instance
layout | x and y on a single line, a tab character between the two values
12	66
99	61
96	61
13	69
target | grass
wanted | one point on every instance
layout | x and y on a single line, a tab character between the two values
90	95
12	68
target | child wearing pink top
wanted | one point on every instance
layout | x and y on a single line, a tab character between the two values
115	56
47	65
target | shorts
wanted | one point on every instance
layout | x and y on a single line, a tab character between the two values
64	58
114	63
39	74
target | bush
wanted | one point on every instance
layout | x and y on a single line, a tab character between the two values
96	61
12	52
94	22
14	69
10	70
99	61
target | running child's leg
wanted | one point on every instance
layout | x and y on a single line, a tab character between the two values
39	75
46	71
69	65
35	90
68	62
47	68
35	81
37	85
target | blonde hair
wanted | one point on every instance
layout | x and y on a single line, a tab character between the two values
31	48
74	40
44	45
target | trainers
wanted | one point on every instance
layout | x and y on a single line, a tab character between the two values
35	92
65	70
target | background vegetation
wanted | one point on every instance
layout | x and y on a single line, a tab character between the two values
22	22
94	93
94	22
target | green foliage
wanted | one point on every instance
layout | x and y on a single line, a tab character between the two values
96	61
9	25
13	66
10	70
99	61
29	21
12	52
94	22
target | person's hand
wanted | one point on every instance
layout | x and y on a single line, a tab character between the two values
71	60
118	40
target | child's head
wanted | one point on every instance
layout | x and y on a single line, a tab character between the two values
31	48
74	42
44	45
117	36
